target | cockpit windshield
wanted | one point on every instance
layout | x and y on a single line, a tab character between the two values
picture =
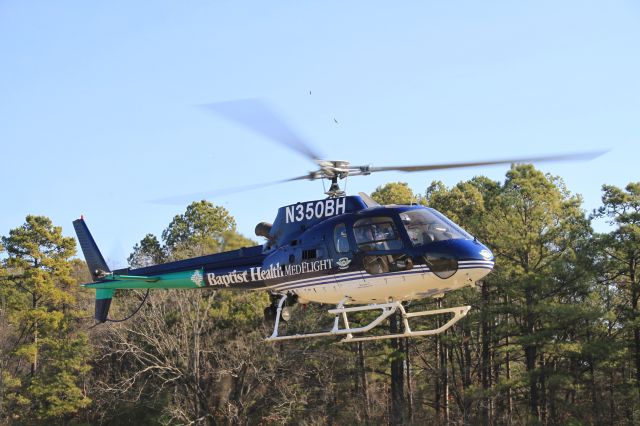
426	225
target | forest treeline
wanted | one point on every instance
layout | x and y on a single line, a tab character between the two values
553	337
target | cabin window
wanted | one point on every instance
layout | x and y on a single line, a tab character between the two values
309	254
340	238
425	226
376	233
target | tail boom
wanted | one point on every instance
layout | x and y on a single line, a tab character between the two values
230	270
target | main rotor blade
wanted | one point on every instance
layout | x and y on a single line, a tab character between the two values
187	198
259	117
580	156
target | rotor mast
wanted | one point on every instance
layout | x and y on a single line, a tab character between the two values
335	170
334	190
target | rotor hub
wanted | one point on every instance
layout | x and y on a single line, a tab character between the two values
330	169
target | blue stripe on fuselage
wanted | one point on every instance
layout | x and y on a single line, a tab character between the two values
352	276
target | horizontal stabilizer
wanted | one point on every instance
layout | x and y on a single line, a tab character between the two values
181	279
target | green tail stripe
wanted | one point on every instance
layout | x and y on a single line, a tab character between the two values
104	293
184	279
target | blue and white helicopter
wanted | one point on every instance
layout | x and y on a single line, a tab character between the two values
341	250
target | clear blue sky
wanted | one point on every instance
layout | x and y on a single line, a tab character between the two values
98	100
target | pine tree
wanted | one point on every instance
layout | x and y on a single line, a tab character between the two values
147	252
538	230
45	322
621	252
536	293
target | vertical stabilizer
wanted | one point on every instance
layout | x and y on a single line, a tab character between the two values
97	267
92	255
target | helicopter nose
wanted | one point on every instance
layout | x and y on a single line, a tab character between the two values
445	258
459	249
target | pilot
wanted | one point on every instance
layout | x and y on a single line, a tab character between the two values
414	235
363	237
363	234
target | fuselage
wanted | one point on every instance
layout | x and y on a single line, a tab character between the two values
336	250
379	254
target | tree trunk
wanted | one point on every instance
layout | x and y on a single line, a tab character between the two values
612	399
486	362
544	402
397	374
438	365
444	374
466	373
364	385
34	363
530	352
407	369
595	404
593	386
201	409
507	372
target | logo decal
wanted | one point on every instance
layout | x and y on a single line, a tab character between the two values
258	273
197	278
343	262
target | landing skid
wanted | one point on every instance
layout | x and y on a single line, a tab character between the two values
386	309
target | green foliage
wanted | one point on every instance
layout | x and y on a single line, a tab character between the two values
202	229
622	207
552	338
469	204
619	264
394	193
198	231
238	311
47	352
545	318
55	390
231	240
147	252
541	240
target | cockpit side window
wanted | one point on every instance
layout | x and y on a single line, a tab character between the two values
376	233
340	238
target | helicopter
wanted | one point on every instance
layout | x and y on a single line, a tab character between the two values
341	250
